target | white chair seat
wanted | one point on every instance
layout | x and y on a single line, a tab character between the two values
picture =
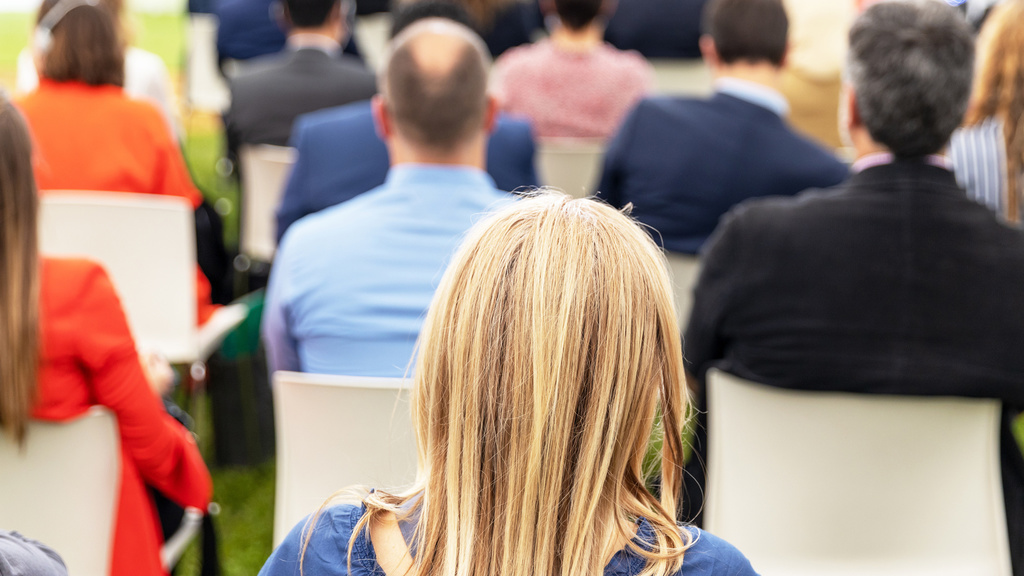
572	165
833	483
334	432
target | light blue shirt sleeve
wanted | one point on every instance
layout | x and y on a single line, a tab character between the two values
282	348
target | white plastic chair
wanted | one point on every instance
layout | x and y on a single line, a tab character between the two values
372	33
682	77
205	88
828	483
61	488
572	165
684	269
147	244
334	432
265	171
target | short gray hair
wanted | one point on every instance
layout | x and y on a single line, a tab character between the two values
910	65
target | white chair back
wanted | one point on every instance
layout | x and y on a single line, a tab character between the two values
684	269
372	32
334	432
147	243
572	165
265	170
833	483
61	488
682	77
205	88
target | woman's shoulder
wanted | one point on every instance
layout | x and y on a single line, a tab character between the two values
327	553
709	555
73	278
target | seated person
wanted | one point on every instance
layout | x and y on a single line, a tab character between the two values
250	28
684	162
88	134
657	28
341	155
543	361
145	74
573	84
310	74
70	348
350	285
893	282
988	151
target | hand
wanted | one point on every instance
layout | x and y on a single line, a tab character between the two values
158	372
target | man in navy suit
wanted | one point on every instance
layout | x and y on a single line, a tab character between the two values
340	155
657	28
684	162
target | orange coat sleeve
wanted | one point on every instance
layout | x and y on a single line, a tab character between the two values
164	452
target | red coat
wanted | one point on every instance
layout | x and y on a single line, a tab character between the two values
89	358
97	138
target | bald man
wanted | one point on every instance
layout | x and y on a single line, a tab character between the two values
351	284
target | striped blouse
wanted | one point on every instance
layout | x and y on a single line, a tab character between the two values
979	161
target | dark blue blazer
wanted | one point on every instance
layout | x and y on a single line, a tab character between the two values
341	156
247	29
657	28
684	162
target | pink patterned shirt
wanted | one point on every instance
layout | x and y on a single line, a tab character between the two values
571	94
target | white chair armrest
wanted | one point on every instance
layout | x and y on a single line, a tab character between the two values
173	548
223	321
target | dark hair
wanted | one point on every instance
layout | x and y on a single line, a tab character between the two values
86	46
911	66
309	13
752	30
407	14
577	14
441	107
19	274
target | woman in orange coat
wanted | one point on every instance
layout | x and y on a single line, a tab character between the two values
88	134
65	346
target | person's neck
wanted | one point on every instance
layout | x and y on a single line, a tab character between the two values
471	155
761	73
583	40
320	36
863	144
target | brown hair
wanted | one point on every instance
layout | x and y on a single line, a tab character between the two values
86	47
751	30
19	274
999	92
434	103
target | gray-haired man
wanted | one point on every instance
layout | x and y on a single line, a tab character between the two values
894	282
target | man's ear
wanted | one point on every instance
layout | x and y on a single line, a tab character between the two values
853	119
709	51
381	118
491	114
282	17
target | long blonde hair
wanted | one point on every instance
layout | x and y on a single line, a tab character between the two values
19	274
549	349
999	91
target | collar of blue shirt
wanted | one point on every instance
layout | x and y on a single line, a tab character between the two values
438	175
753	93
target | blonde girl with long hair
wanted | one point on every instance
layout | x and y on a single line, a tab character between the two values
988	152
549	355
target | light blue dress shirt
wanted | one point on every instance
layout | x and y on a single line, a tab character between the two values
351	284
754	93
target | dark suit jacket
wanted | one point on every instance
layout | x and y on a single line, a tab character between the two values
684	162
341	156
893	283
248	29
657	28
274	90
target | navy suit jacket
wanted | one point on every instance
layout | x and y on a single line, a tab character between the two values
341	156
247	29
657	28
683	163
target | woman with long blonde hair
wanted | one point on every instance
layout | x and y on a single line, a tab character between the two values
988	152
549	355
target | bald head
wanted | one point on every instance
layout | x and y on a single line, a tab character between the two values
434	84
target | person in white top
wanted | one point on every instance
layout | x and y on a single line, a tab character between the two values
145	74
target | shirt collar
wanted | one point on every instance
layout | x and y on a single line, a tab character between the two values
754	93
303	40
882	158
438	174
